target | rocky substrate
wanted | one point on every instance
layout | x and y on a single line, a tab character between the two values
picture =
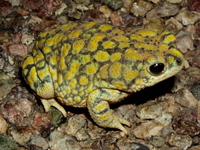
163	117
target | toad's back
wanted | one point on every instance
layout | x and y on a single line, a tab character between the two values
91	65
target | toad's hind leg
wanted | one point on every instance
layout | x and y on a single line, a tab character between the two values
47	103
98	106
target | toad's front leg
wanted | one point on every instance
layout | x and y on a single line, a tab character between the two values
98	106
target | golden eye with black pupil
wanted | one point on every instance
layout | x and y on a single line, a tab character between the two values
156	68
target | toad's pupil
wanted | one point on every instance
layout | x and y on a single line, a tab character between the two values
157	68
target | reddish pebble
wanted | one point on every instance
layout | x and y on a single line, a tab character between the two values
32	5
5	7
194	5
185	123
40	120
18	49
17	37
15	110
94	15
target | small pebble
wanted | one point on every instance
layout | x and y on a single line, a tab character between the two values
149	110
165	119
174	1
148	129
84	2
50	5
167	130
125	20
39	141
3	61
35	19
185	122
31	5
76	14
156	25
6	84
4	37
10	22
15	110
116	18
40	120
62	141
62	19
43	12
185	98
196	140
198	114
94	131
157	141
195	89
108	140
165	10
34	147
18	49
176	23
95	145
27	39
181	141
14	2
105	10
197	29
187	17
194	73
114	4
194	5
21	135
94	15
82	135
155	1
194	58
128	145
17	37
5	7
7	143
195	148
55	116
59	11
75	123
3	125
184	42
21	92
140	7
46	130
23	12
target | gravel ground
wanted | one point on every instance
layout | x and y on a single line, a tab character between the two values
163	117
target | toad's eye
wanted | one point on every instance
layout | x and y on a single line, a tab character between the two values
156	68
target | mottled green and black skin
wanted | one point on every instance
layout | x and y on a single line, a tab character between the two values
91	65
